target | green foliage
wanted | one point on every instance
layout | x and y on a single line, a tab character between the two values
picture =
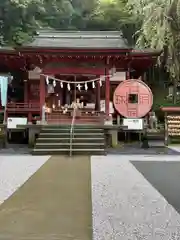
19	19
159	29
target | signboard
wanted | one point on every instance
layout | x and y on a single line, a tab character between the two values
13	122
133	123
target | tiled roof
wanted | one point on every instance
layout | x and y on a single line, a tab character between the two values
7	49
136	51
79	39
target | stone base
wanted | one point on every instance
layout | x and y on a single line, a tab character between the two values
114	137
32	135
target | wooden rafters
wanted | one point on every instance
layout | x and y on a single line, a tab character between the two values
28	59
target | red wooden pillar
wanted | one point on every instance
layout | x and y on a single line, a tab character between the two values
128	72
26	91
127	75
26	94
25	79
107	89
42	91
98	95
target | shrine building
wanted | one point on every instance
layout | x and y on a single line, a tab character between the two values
62	70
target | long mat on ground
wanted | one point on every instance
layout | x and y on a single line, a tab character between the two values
55	203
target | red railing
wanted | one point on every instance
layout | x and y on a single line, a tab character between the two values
82	116
23	107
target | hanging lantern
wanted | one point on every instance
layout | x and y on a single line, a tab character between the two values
61	84
47	80
93	84
54	83
68	87
79	87
86	87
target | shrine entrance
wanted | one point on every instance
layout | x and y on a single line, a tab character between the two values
65	93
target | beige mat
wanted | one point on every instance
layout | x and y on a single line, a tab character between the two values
54	204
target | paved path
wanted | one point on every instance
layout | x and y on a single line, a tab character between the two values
133	197
54	204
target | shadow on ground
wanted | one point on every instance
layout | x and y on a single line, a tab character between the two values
135	148
165	177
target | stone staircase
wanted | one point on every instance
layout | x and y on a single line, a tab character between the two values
55	140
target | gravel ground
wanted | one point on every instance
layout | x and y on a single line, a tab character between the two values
133	196
54	204
15	171
15	149
126	206
135	148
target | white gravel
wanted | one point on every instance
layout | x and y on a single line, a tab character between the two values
175	148
15	171
125	205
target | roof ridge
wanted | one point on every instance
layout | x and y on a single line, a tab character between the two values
80	37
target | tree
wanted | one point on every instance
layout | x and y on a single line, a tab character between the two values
18	19
160	29
112	15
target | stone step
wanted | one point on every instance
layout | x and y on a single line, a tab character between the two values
68	126
67	145
67	140
67	135
67	152
67	130
77	122
155	137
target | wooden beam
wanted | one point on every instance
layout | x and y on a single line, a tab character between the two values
74	70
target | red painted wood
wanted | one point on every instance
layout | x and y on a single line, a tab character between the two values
42	93
69	50
74	70
170	109
107	89
23	107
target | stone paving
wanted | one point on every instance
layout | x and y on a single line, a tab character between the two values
133	197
